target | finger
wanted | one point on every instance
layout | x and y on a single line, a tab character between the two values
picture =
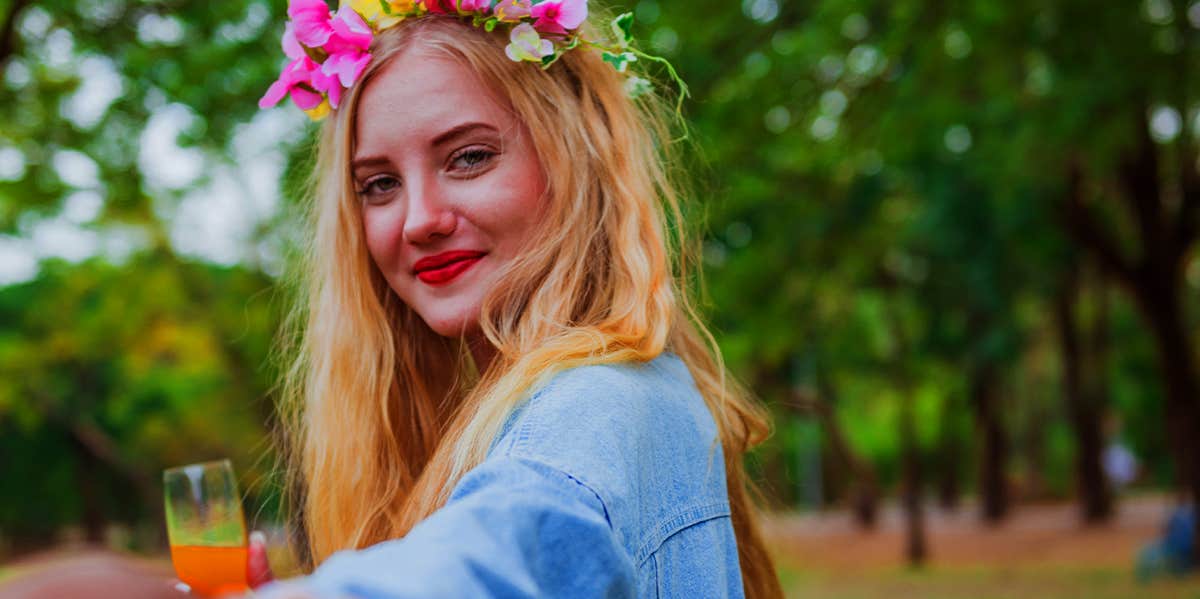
258	568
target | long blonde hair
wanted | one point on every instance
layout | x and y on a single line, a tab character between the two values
381	416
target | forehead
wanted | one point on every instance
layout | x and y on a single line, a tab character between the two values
419	95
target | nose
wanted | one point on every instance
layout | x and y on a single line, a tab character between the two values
429	216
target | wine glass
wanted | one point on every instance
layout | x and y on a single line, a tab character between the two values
206	527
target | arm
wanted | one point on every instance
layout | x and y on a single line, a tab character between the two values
512	528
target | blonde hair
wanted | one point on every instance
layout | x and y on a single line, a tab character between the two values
381	416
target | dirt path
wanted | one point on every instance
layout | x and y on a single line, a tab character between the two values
1035	535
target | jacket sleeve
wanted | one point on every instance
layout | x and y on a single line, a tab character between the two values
513	527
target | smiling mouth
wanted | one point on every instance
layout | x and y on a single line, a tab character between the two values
447	272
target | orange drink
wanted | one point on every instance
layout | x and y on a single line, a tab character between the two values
206	527
211	571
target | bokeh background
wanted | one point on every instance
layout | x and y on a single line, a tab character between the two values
951	244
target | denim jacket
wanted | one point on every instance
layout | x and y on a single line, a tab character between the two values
608	482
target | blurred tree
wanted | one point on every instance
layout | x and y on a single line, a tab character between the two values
911	471
116	367
160	362
1084	394
969	118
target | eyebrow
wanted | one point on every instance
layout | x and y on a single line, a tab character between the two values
445	137
460	130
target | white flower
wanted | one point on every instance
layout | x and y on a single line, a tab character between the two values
526	44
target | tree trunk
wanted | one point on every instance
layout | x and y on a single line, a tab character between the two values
1153	276
915	549
1176	359
993	486
910	459
87	471
864	484
950	449
835	479
1096	397
1082	407
771	382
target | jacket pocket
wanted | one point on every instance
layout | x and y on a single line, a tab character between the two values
699	560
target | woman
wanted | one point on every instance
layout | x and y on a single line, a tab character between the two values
499	386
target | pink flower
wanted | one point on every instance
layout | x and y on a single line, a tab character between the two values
435	6
512	10
311	18
328	83
346	67
306	80
347	46
474	6
349	32
297	73
558	16
291	47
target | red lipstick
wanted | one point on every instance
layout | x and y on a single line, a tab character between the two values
446	266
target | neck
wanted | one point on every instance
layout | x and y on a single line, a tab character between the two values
482	351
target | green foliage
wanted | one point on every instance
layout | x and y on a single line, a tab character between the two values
899	157
158	363
880	210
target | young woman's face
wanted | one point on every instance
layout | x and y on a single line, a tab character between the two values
449	183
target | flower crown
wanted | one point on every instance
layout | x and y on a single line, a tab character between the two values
330	50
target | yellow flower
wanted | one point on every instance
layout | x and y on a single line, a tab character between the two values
320	111
369	9
372	11
402	6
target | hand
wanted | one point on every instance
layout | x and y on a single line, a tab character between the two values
258	571
258	568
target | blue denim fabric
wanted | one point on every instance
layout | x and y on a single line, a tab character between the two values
608	482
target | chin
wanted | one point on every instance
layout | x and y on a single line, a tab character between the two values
453	325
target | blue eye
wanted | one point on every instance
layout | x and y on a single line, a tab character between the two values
472	159
379	185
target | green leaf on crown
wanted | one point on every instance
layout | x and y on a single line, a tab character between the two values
622	27
619	61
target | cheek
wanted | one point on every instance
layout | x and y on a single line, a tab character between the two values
503	203
528	201
527	179
510	217
378	232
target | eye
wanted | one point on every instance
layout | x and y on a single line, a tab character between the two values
379	185
472	159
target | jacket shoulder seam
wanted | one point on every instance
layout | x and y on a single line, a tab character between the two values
679	521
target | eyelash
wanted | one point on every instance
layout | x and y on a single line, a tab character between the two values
371	183
482	156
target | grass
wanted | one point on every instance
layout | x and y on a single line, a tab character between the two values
983	582
1039	552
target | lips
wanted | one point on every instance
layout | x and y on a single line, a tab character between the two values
444	267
